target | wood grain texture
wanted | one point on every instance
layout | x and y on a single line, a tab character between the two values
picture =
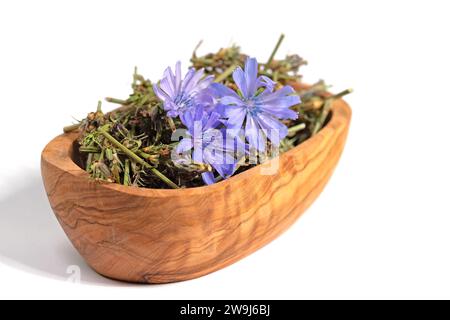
161	236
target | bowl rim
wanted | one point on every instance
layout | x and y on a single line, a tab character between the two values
340	116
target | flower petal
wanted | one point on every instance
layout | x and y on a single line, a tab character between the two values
236	116
284	91
166	85
197	76
159	93
239	79
212	121
203	84
171	108
266	82
230	100
274	130
279	102
220	90
251	75
225	170
170	78
254	135
187	118
218	108
280	113
197	154
234	143
184	145
188	81
208	178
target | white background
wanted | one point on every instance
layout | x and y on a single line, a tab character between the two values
381	228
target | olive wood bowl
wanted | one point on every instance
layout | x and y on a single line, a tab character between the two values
161	235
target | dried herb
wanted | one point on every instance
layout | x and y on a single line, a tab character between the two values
133	145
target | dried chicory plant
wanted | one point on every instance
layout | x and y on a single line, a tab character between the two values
132	145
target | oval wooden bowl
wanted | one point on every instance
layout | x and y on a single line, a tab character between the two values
161	236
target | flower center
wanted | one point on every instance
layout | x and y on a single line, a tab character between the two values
253	106
183	101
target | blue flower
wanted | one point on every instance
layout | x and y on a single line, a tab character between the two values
180	96
258	105
210	145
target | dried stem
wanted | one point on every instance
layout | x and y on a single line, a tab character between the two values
145	128
341	94
272	55
137	159
117	101
126	176
326	110
323	116
194	54
72	127
226	73
293	130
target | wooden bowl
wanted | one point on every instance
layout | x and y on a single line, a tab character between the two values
161	236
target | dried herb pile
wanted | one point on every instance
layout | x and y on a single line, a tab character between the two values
132	145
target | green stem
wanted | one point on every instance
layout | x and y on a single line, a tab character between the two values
90	149
171	123
341	94
272	55
323	116
126	176
135	75
326	109
99	107
117	101
89	162
226	73
296	128
72	128
194	54
137	159
276	76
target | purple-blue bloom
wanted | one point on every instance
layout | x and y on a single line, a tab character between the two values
258	105
211	145
183	95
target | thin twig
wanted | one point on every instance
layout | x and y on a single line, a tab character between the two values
117	101
126	176
72	127
226	73
326	110
297	128
341	94
323	116
272	55
194	54
99	107
171	123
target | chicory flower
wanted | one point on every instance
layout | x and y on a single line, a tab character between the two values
183	95
258	105
210	145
